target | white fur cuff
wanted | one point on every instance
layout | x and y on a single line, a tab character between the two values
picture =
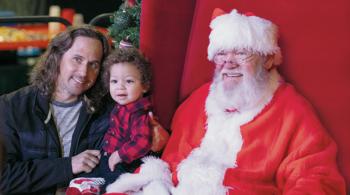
154	175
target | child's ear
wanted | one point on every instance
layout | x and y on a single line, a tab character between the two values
145	88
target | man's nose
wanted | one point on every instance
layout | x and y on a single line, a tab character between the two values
230	61
83	69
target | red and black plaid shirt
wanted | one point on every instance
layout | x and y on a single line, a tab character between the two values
129	131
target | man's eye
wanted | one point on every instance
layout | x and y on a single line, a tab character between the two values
94	65
241	54
221	53
77	60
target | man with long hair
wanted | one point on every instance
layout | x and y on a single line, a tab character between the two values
49	126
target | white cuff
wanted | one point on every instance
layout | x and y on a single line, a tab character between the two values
154	175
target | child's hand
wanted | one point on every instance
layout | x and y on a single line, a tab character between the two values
113	160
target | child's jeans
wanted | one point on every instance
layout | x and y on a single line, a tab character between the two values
102	170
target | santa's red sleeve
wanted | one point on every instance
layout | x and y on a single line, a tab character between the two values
286	150
310	166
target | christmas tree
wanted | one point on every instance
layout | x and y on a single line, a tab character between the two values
126	23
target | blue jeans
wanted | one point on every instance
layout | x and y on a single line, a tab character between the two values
102	170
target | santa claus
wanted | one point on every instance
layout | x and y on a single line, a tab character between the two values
246	132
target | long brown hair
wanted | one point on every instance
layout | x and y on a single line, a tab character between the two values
45	72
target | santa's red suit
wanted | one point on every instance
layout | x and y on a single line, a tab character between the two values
285	149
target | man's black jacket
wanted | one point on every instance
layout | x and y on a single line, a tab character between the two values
34	162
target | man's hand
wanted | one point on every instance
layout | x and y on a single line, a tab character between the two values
159	135
85	161
113	160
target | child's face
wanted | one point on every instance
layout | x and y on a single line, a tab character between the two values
125	83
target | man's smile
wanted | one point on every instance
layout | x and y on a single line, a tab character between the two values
233	74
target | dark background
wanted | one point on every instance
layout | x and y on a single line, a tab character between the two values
13	73
89	8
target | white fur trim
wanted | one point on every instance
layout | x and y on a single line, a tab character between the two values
202	172
158	187
237	31
154	172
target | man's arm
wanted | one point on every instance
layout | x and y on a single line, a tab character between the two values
20	176
37	171
310	166
34	175
286	151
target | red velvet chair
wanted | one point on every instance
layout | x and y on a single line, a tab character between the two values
315	42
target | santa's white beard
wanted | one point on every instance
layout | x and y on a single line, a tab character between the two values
244	94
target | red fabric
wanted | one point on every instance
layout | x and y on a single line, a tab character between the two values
315	43
72	191
129	132
181	142
292	154
84	186
115	194
217	12
165	28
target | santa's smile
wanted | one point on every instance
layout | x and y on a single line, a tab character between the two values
233	74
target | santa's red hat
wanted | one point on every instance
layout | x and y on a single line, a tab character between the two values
235	31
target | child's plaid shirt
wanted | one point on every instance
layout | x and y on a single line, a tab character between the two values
129	131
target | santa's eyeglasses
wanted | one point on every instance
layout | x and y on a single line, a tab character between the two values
233	57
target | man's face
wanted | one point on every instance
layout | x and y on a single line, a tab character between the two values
233	67
79	69
240	78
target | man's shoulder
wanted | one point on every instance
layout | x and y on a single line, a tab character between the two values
203	88
22	94
16	102
289	97
288	92
195	103
200	93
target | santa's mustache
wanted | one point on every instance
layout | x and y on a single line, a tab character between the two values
243	94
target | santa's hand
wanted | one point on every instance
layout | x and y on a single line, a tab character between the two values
85	161
113	160
159	135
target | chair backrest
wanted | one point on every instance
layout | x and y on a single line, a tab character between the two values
315	42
